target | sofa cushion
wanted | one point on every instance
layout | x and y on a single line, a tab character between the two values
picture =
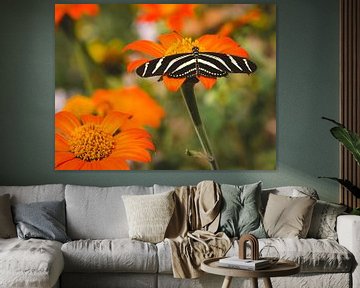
287	216
30	263
117	255
98	213
7	226
291	191
35	193
43	220
313	255
149	215
323	222
240	210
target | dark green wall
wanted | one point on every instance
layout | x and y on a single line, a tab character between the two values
307	88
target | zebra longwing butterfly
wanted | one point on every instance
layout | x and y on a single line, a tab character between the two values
187	65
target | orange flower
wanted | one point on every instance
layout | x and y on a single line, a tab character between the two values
173	14
173	43
74	11
252	16
98	143
80	105
131	100
144	110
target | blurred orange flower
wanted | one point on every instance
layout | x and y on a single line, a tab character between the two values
131	100
173	43
80	105
98	143
252	16
144	110
74	11
173	14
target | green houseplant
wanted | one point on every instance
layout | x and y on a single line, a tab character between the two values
351	141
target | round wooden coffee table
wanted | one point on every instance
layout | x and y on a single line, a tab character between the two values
281	268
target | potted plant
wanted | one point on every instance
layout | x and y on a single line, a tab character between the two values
351	141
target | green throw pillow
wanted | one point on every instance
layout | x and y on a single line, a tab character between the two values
240	210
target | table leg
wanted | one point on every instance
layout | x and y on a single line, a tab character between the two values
267	283
227	282
254	282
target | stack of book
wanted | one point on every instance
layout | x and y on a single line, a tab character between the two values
248	264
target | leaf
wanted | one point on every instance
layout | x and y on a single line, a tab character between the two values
197	154
349	139
347	184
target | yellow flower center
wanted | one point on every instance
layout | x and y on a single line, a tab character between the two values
184	45
90	142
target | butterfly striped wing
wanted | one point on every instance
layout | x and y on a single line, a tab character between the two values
163	66
218	65
187	65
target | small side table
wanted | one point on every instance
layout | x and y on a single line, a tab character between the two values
281	268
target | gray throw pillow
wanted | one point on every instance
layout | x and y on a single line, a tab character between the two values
7	226
240	210
323	222
44	220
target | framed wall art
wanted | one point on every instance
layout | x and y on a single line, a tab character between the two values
165	86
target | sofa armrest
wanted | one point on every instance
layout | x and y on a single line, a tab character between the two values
348	230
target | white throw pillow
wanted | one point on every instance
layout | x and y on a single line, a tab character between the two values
149	215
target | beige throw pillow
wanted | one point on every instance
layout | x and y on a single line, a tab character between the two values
7	226
149	215
288	217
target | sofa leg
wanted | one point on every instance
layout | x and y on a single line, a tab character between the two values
254	282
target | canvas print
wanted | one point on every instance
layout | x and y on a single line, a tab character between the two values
165	87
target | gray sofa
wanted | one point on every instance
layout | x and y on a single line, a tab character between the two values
101	254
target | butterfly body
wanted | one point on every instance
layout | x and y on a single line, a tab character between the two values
188	65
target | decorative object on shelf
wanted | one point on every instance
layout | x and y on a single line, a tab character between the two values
254	246
270	253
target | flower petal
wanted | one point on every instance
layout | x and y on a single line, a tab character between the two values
65	123
132	144
135	155
135	64
62	157
113	121
236	51
60	143
106	164
147	47
91	119
169	39
173	84
207	82
221	44
74	164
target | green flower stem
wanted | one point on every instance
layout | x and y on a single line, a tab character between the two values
83	67
187	90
